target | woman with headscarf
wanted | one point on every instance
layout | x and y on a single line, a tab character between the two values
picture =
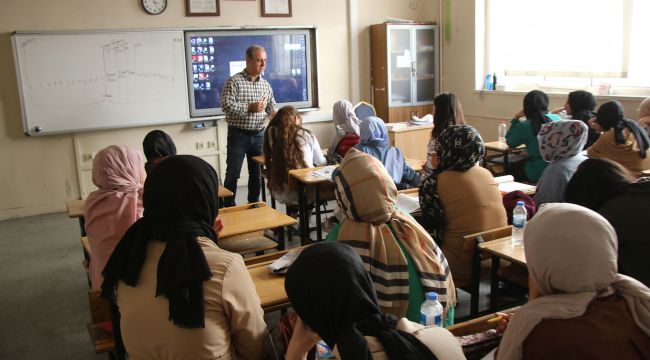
118	173
623	140
446	112
560	144
346	315
346	126
460	197
388	238
609	189
644	114
374	141
288	146
180	296
157	146
525	132
579	306
580	105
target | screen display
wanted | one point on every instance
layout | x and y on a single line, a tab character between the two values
215	56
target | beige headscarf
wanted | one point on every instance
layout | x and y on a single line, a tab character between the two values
571	254
644	113
366	193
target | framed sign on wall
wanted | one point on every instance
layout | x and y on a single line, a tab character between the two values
276	8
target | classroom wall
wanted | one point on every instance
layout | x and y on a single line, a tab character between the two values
39	174
458	76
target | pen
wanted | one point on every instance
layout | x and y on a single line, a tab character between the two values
495	319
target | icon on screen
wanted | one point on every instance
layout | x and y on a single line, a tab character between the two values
211	49
199	41
207	86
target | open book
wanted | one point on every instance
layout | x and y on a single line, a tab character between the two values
408	203
508	184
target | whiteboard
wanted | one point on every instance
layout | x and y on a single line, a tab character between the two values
80	81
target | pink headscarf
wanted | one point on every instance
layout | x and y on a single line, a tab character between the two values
118	172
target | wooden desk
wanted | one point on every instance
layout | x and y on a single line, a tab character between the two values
502	149
415	164
411	139
501	248
269	286
302	179
254	217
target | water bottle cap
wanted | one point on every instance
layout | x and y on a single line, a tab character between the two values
432	296
520	203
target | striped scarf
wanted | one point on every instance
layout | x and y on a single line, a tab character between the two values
366	194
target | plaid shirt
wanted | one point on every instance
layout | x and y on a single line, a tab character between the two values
239	91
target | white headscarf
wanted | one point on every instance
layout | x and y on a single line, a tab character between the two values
562	139
345	121
571	254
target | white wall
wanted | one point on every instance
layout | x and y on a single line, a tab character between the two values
39	174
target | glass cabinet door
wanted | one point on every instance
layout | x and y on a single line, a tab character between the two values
425	38
400	65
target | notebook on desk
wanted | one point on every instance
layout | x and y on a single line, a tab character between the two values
508	184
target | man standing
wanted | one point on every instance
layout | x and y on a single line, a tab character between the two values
247	99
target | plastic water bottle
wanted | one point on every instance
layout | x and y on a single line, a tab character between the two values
518	223
502	133
431	310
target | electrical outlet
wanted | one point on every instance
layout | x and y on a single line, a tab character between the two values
88	156
212	144
200	145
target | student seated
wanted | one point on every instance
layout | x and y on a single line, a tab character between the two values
446	112
388	238
346	130
180	296
118	172
623	140
374	141
580	105
644	114
560	144
157	146
525	132
288	146
335	300
460	197
579	306
608	188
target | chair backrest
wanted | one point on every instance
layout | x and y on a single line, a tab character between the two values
470	241
362	110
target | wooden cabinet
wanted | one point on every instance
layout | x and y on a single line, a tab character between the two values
404	69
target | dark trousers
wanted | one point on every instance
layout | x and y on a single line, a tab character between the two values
243	143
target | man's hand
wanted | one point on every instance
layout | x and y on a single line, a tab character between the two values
257	106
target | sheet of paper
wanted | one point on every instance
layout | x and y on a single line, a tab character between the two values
403	61
513	185
504	179
325	172
409	203
281	265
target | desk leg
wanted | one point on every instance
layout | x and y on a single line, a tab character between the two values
494	282
475	286
319	230
82	226
281	238
263	187
505	162
302	214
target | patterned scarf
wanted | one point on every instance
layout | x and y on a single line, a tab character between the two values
459	148
561	139
366	194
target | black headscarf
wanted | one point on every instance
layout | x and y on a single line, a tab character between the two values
157	144
610	115
582	105
459	148
333	295
180	204
536	108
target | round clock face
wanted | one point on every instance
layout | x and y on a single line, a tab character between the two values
154	7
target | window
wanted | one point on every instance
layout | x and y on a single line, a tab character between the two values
562	45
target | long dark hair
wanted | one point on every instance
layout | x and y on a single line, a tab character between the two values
283	141
447	111
596	181
536	108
